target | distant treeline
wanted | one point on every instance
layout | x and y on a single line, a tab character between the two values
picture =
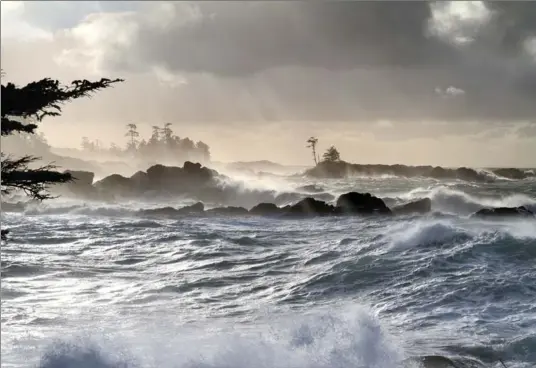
162	144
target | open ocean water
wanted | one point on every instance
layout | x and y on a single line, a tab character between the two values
93	286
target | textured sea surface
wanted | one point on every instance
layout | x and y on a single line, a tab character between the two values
93	286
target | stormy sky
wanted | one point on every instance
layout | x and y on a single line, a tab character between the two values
450	83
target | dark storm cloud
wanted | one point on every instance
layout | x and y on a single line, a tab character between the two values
327	61
237	38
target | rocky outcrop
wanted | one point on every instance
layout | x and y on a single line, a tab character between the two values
116	184
420	206
309	207
265	209
362	204
499	212
343	169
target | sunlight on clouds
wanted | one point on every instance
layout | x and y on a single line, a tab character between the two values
458	21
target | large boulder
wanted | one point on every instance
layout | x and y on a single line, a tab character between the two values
363	204
309	207
265	209
504	212
190	178
423	205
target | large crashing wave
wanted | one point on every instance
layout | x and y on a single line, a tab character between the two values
353	338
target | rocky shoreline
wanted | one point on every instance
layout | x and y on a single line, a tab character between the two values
196	182
342	169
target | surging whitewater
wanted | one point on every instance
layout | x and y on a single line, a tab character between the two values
94	285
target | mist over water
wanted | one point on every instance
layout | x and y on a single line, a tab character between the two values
90	284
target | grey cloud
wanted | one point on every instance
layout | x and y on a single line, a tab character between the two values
237	38
55	15
329	61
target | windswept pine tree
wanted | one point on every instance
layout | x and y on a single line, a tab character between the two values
22	109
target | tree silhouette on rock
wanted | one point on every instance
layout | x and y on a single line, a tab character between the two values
331	155
22	109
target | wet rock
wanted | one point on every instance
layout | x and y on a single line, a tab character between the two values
358	203
265	209
309	207
504	212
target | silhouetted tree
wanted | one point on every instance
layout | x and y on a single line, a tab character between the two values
332	155
167	133
133	134
312	144
32	103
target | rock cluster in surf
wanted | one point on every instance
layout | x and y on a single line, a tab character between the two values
197	182
342	169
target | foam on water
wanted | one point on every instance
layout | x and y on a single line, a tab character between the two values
353	337
91	286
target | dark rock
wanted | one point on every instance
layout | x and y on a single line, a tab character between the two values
358	203
265	209
309	207
423	205
140	179
504	212
341	169
161	211
115	183
228	211
467	174
310	189
194	208
189	179
4	234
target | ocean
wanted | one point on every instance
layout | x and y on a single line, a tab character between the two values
93	285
